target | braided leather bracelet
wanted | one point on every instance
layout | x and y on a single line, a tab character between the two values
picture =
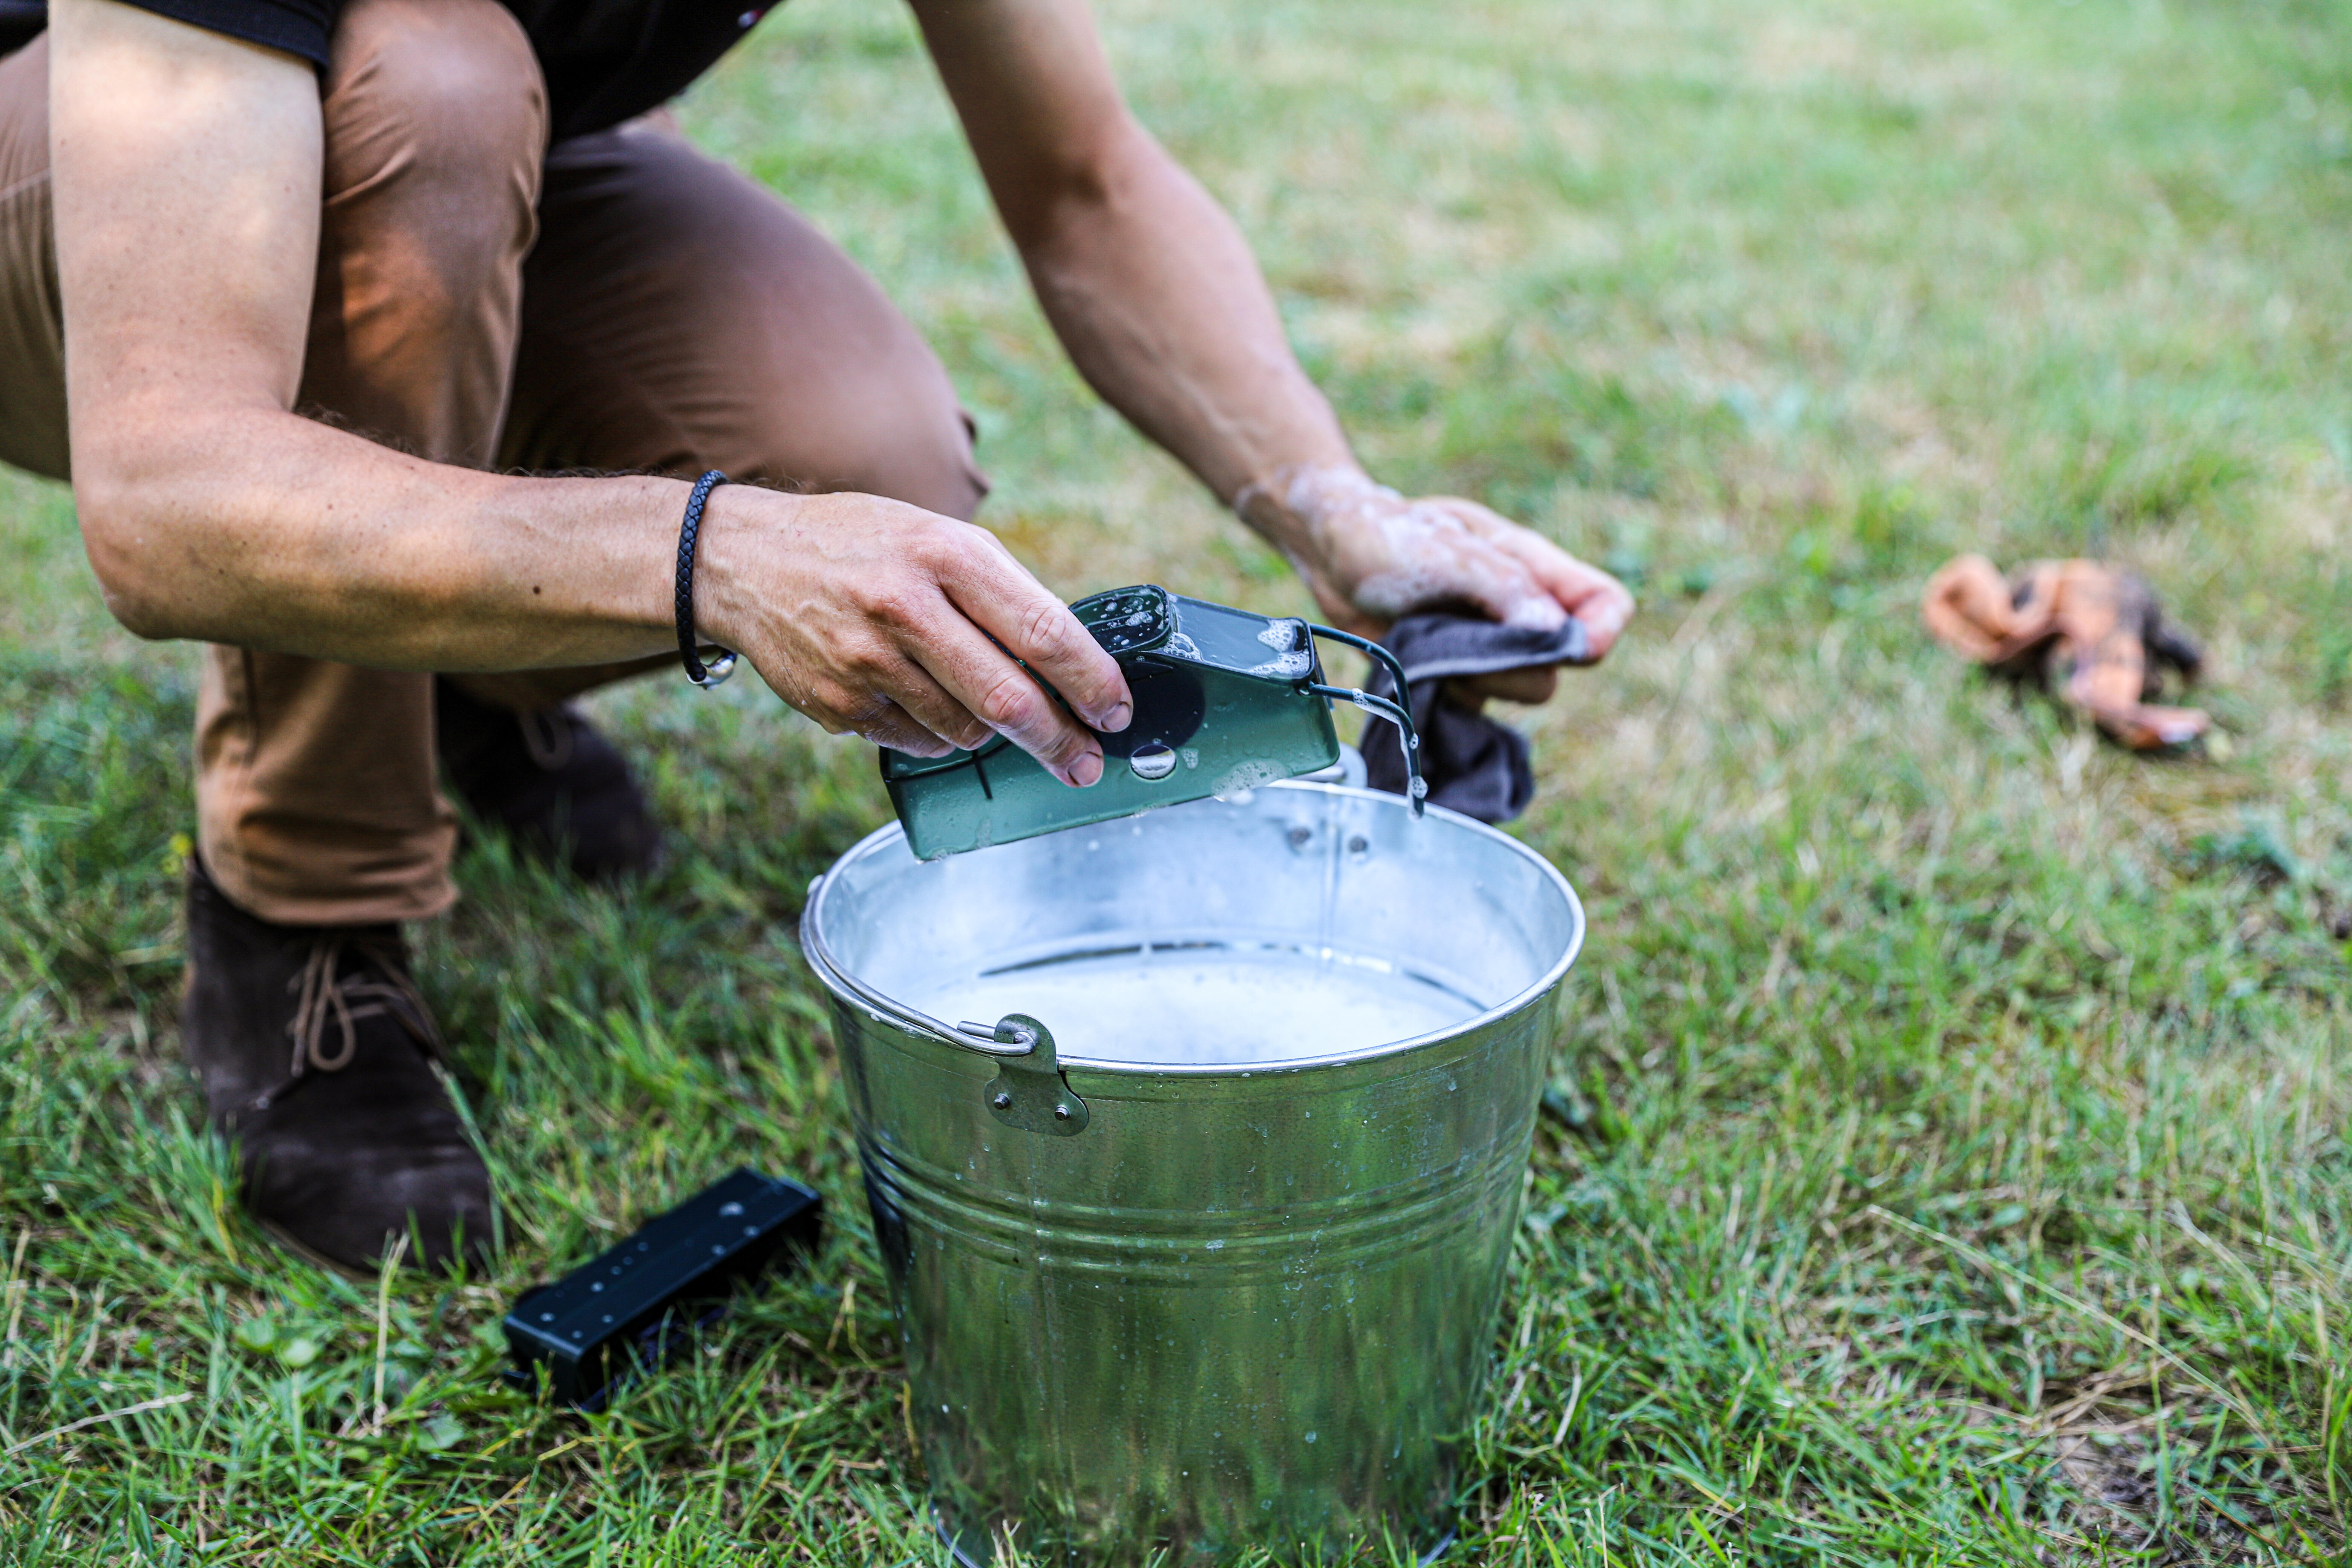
720	667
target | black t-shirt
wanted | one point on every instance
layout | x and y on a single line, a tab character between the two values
605	61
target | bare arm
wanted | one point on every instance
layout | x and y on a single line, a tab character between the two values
1147	281
187	168
1153	290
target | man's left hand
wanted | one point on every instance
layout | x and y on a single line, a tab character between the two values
1372	556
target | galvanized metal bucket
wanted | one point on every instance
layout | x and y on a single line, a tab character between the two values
1195	1143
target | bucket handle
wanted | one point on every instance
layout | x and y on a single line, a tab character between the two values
1028	1090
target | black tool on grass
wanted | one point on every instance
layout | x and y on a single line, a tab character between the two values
630	1307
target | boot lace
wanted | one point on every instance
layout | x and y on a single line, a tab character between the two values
331	996
547	736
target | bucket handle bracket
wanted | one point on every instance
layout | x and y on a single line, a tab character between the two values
1028	1090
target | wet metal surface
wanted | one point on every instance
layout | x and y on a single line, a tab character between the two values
1250	1300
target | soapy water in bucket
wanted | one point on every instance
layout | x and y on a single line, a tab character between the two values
1209	1004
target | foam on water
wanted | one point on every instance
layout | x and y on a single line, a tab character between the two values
1201	1005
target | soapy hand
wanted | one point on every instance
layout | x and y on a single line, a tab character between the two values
1371	556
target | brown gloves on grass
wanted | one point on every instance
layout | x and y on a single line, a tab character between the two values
2094	634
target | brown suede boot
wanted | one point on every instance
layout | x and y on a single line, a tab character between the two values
317	1055
547	779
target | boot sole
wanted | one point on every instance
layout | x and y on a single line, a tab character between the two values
357	1275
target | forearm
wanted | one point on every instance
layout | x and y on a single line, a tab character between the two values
867	615
258	528
1163	309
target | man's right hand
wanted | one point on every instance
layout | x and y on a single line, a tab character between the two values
876	617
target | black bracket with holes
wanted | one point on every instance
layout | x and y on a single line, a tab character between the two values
630	1309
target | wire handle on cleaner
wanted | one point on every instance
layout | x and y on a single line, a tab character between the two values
1417	788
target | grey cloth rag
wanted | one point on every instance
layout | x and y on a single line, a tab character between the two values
1474	764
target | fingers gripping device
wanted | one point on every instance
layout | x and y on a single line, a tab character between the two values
1224	701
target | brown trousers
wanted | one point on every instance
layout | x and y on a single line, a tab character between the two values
617	302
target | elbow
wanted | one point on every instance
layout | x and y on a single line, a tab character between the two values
1079	185
141	615
124	534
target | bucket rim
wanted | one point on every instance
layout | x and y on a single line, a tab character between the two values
850	989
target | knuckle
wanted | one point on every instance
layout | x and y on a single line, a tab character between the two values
1010	702
834	718
868	664
871	709
1045	629
946	548
966	539
894	602
946	718
884	722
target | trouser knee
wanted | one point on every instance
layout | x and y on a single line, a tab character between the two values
444	100
435	121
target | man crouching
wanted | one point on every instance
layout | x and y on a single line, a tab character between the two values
301	293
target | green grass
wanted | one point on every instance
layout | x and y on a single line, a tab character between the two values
1947	1159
